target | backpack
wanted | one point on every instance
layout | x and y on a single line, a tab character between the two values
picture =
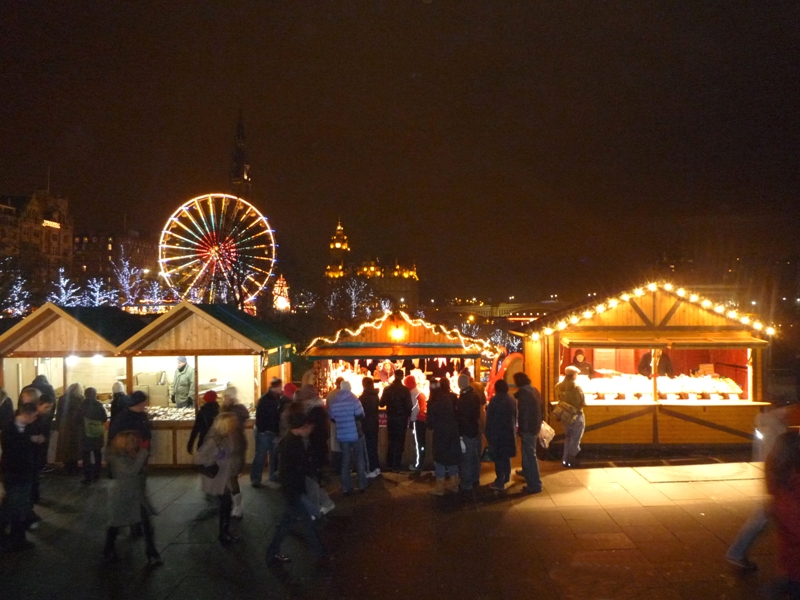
93	428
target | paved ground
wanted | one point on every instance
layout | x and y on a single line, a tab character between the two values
634	533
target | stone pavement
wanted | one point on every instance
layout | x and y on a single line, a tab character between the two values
633	533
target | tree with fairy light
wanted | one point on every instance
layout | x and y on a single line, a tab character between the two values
129	280
66	292
97	293
14	294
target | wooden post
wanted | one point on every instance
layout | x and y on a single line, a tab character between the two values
64	372
2	374
196	383
129	374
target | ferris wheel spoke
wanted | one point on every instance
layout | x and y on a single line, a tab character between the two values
197	234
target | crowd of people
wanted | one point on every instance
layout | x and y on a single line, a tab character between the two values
301	438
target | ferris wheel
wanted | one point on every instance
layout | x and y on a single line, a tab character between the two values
217	248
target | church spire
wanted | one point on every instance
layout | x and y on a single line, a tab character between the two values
240	166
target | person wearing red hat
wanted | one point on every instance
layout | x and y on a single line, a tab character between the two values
205	418
418	415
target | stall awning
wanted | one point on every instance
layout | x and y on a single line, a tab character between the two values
664	343
384	352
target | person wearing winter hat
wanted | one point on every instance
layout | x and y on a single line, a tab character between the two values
204	420
418	415
133	418
579	362
571	395
183	384
346	411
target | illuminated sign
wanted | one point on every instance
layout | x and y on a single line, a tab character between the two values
53	224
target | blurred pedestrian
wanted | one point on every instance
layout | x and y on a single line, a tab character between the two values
69	423
530	411
133	418
317	415
6	409
293	471
127	501
769	426
219	449
39	427
783	482
203	421
94	420
231	404
501	421
446	441
570	412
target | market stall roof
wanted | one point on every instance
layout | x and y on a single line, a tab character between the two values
397	335
208	329
55	330
663	342
656	313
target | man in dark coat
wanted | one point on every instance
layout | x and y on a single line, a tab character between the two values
45	418
468	413
19	471
501	421
531	414
397	401
266	431
446	442
370	402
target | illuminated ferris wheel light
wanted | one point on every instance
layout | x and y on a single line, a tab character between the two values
217	248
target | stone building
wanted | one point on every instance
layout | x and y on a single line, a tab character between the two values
37	229
398	282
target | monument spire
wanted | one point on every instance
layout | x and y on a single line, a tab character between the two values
240	166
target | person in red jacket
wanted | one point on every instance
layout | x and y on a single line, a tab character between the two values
783	482
419	411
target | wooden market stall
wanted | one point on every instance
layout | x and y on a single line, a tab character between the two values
68	345
421	348
224	346
709	355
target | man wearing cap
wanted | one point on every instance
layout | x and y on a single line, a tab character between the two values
265	433
183	384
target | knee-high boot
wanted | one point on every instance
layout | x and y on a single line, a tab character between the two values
110	551
225	507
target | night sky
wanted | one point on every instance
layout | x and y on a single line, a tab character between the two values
506	147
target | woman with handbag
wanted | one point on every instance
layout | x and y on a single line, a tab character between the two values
215	457
570	412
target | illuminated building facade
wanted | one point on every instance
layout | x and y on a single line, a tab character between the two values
399	282
38	230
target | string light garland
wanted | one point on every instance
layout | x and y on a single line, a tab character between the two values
486	348
612	303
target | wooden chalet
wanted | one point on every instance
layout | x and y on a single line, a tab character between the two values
716	355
